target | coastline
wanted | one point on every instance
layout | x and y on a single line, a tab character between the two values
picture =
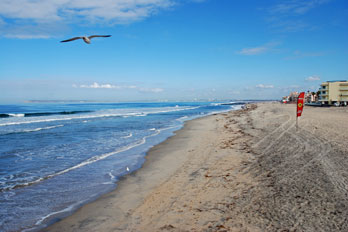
42	181
162	161
245	170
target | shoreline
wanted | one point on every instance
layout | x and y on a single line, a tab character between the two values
128	185
95	150
244	170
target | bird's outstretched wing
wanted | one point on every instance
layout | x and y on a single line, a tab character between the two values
93	36
68	40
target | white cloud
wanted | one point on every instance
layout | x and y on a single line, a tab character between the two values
151	90
288	15
96	85
313	78
253	51
258	50
296	6
104	10
64	12
262	86
27	31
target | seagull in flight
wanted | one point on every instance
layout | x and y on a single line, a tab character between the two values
85	38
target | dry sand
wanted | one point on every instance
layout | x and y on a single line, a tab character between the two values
246	170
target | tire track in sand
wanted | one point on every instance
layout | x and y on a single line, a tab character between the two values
307	144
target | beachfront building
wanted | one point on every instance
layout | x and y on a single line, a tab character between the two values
293	96
311	97
334	93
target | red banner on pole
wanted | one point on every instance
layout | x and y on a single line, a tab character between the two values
300	102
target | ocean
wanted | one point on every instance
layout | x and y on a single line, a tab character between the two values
56	157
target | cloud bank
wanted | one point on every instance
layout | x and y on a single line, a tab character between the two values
96	85
313	78
262	86
40	19
258	50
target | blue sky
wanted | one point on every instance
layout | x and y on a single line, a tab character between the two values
170	49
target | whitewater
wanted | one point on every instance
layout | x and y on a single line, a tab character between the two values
56	157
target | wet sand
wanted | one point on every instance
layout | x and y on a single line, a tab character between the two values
245	170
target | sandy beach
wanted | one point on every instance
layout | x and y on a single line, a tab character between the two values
245	170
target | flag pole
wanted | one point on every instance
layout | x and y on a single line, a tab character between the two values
296	114
296	122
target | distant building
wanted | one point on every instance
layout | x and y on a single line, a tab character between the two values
334	93
293	96
285	99
311	97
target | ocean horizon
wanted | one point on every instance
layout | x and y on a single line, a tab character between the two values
56	157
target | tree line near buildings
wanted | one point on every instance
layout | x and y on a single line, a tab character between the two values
310	97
